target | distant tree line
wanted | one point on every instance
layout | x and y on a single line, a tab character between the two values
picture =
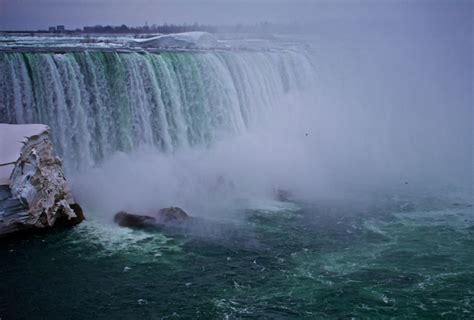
263	28
164	28
260	28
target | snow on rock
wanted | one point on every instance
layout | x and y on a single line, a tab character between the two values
33	190
186	40
12	138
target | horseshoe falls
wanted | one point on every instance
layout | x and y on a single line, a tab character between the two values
321	180
97	103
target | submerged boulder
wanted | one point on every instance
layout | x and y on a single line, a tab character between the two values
282	195
164	217
34	193
134	221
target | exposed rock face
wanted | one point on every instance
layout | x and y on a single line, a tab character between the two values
37	194
163	217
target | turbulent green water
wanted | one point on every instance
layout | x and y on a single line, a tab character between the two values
405	257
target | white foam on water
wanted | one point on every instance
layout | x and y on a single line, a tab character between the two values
110	240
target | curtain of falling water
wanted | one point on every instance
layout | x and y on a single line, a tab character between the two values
100	102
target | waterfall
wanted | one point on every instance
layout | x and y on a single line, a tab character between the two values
97	103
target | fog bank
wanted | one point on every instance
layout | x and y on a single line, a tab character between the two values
391	111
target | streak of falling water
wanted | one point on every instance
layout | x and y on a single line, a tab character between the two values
100	102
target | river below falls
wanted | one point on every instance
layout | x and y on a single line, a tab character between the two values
397	257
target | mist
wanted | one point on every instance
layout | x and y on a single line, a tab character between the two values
375	121
390	111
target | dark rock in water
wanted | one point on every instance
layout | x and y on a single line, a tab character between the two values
282	195
134	221
172	214
165	216
67	222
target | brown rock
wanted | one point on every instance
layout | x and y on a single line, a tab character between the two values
66	222
163	217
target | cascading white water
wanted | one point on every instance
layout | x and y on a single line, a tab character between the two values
100	102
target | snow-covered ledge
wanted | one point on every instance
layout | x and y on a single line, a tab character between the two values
33	190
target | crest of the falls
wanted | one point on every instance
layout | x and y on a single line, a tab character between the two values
97	103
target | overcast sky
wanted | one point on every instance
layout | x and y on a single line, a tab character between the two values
35	14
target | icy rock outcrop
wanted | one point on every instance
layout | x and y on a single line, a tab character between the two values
185	40
33	190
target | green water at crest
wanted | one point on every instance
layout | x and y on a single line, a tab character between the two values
331	260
